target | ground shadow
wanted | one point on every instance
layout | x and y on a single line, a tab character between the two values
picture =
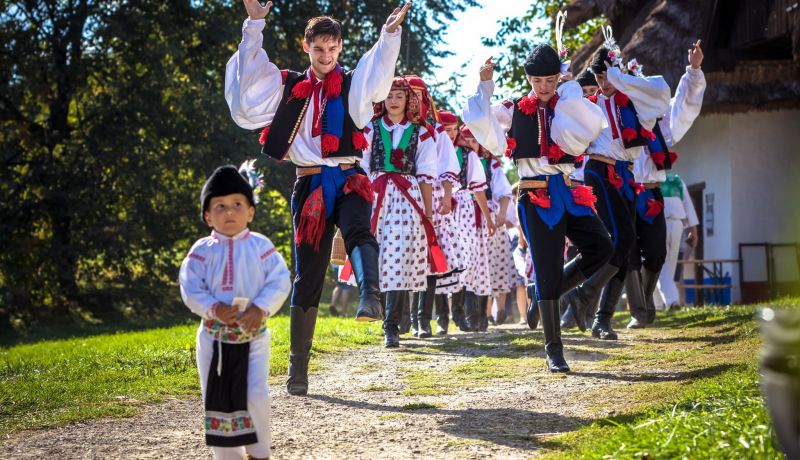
506	426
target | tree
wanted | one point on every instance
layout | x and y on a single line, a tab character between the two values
112	116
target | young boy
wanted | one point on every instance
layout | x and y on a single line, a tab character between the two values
234	279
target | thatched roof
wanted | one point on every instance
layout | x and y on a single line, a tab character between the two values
658	34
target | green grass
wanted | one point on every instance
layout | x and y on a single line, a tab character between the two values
418	406
716	418
713	409
60	381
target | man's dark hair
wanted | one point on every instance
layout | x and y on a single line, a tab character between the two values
323	26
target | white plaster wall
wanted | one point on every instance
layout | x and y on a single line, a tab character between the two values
751	163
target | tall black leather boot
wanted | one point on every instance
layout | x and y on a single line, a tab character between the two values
414	314
391	324
601	328
458	308
301	336
533	314
442	314
553	348
483	302
649	282
636	300
364	260
472	314
585	296
424	309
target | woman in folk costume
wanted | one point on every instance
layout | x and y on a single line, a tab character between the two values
401	163
501	259
471	192
631	107
548	131
315	119
650	170
446	180
478	277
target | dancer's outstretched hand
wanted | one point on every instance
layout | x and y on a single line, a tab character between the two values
696	55
397	17
255	10
487	70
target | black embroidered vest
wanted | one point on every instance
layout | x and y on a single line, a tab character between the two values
376	163
291	114
525	131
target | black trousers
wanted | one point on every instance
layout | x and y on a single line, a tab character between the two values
617	213
352	215
587	233
651	241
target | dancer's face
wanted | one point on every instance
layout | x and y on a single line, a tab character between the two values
605	86
229	214
544	87
396	103
452	131
323	52
589	90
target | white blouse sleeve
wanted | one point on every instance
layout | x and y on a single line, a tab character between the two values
253	84
448	168
373	76
427	169
489	124
650	95
501	187
577	122
476	176
688	207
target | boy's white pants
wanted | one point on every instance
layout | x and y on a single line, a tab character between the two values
258	398
667	292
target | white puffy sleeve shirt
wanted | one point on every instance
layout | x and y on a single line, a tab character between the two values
650	96
254	87
684	109
576	123
219	268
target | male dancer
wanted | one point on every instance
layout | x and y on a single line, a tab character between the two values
631	106
316	118
650	170
549	129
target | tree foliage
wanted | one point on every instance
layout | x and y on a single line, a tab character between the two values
112	115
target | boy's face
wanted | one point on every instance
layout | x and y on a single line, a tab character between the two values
229	214
323	52
544	87
452	131
605	86
588	90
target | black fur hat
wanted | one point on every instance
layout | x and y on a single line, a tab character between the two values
225	180
599	59
543	61
586	78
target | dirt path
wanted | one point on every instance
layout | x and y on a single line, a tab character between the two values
498	401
